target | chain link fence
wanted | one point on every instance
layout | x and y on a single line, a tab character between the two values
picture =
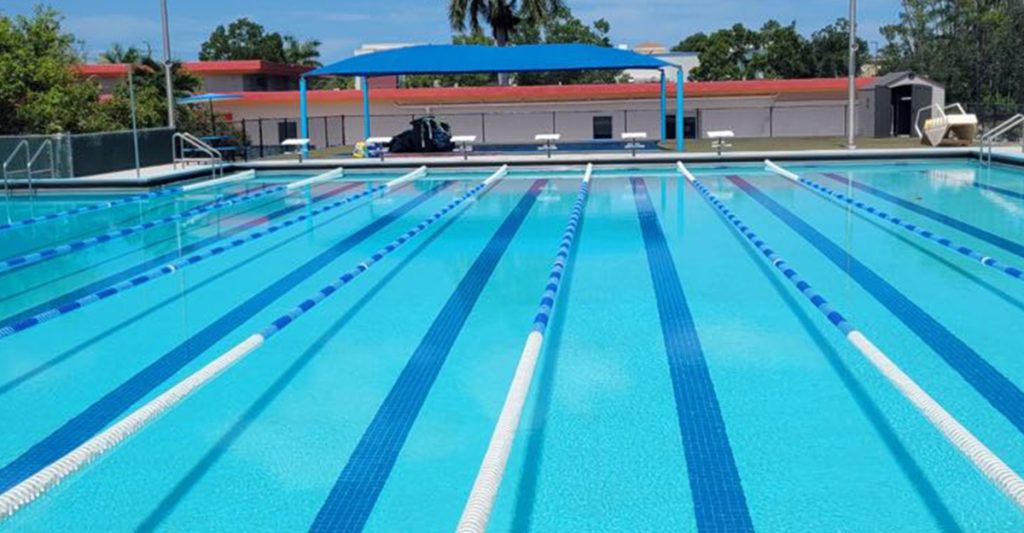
84	154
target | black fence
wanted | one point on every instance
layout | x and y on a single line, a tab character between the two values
98	153
991	115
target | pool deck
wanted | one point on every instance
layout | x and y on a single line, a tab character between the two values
162	175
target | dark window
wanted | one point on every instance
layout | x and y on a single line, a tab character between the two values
689	127
603	127
287	130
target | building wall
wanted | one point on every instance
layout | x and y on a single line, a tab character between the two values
756	116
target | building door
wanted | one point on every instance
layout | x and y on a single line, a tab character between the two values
902	110
689	127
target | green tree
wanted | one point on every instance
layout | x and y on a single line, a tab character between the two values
830	50
245	39
150	94
774	51
41	92
971	47
503	16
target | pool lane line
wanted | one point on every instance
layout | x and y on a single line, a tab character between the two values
1008	245
719	502
984	459
100	206
355	492
32	487
8	329
251	414
1010	270
1000	392
13	263
480	503
107	409
271	248
166	257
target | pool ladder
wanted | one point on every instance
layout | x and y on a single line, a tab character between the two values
183	141
30	169
989	138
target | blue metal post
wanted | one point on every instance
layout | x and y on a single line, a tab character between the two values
679	111
303	116
366	108
664	110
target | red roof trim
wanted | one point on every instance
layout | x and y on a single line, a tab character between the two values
554	93
108	70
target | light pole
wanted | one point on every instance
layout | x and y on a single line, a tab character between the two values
135	122
167	65
851	105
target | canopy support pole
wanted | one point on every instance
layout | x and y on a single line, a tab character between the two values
303	116
664	110
680	145
366	108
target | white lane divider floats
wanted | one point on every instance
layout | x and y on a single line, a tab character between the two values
245	175
477	512
36	485
103	293
945	242
319	178
100	206
984	459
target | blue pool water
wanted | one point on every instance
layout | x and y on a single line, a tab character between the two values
683	385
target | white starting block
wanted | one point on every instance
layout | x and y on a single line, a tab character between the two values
633	139
549	140
720	139
465	143
379	141
300	146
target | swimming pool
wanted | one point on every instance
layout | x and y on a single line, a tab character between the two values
683	384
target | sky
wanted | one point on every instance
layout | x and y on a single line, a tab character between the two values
342	25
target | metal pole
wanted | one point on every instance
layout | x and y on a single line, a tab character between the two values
851	111
259	126
664	105
167	65
366	108
135	123
680	145
303	116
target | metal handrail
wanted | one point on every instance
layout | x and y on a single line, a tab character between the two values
32	161
7	162
988	139
178	142
942	113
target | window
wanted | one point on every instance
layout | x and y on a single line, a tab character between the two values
689	127
603	127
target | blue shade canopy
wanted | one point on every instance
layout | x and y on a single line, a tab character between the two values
206	97
466	59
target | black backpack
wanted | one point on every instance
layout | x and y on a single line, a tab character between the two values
426	135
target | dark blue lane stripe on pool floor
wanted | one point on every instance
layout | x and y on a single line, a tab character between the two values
355	493
165	258
970	229
1000	190
1000	392
108	408
718	499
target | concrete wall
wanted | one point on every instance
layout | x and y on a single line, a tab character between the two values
755	116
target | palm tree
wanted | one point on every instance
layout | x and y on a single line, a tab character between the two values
118	53
305	53
503	16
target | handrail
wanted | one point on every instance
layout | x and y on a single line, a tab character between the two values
22	144
988	139
32	161
178	142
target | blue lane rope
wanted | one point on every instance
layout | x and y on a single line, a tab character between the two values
284	320
74	246
106	292
88	209
547	300
1009	270
973	449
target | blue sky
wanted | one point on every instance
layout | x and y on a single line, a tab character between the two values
343	25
